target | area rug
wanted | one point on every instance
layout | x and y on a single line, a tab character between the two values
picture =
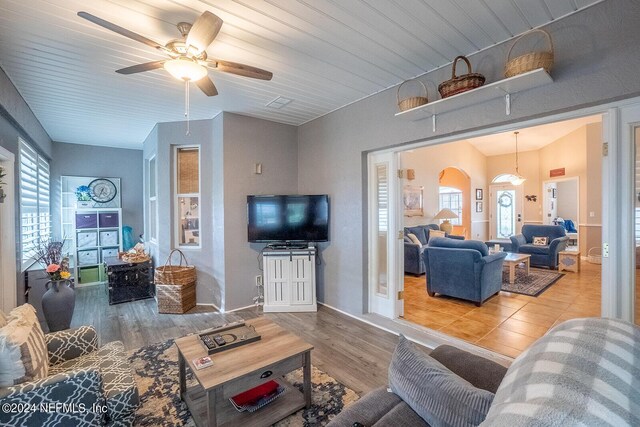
533	284
155	369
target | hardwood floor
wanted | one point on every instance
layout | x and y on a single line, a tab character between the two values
353	352
507	323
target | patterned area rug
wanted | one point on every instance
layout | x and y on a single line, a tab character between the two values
533	284
155	368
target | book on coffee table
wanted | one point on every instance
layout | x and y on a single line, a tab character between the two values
257	397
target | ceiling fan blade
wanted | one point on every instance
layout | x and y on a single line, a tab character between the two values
240	69
203	31
122	31
206	85
147	66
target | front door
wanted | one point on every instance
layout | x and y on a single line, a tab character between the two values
505	210
385	275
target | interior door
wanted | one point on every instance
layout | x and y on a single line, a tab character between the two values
505	210
8	286
385	278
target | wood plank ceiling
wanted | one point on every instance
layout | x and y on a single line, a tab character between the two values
324	54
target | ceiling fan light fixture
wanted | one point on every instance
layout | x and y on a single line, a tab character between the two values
185	69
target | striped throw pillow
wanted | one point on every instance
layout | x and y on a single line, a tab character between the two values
23	351
435	393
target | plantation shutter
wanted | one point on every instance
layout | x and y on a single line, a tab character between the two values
35	216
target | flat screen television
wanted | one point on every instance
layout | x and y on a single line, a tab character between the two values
288	218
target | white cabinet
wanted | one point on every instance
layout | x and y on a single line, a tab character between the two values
289	280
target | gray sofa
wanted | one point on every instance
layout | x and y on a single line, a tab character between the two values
582	372
413	261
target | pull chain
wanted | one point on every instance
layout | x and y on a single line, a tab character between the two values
186	105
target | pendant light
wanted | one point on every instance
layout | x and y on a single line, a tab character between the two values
518	179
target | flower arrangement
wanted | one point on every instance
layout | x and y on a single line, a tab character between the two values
83	193
50	255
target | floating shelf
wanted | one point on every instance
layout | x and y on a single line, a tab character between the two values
506	87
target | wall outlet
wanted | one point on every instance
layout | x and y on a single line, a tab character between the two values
259	280
592	214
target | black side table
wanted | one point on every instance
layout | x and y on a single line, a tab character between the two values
129	281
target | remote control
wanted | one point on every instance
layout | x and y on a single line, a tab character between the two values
219	340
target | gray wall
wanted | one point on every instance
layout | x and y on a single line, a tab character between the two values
230	145
248	141
160	142
596	61
89	160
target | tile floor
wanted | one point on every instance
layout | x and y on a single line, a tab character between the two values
507	323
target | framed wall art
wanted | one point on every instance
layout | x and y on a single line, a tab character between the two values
478	193
478	206
412	200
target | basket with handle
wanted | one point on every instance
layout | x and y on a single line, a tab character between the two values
594	256
529	61
414	101
458	84
181	274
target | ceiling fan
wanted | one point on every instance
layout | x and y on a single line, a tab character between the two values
188	60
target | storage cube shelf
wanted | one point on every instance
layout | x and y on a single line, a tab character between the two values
97	236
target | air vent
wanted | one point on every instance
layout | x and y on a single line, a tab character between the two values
279	102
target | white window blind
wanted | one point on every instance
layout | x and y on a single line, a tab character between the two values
383	197
35	215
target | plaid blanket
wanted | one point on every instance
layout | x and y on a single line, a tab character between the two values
582	372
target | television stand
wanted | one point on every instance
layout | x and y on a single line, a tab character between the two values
289	279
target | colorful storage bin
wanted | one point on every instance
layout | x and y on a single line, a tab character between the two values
109	219
88	257
109	238
87	239
86	220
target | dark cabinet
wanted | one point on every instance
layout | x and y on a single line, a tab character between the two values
129	282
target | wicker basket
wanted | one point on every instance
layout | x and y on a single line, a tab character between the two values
170	274
460	84
414	101
175	299
529	61
594	256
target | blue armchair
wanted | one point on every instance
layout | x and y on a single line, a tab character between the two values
413	262
462	269
541	256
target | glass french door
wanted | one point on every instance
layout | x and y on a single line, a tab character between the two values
385	275
505	211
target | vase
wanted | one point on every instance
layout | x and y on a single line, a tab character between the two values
57	304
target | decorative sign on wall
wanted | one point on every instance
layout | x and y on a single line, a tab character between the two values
556	172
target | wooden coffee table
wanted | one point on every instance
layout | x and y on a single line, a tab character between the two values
514	259
236	370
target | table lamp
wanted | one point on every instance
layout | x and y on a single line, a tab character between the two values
446	214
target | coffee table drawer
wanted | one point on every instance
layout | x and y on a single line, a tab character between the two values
261	376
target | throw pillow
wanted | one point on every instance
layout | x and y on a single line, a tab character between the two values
414	239
540	241
435	393
436	233
23	351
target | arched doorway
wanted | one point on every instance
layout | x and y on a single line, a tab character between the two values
455	194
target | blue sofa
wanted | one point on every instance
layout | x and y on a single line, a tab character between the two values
462	269
541	256
413	262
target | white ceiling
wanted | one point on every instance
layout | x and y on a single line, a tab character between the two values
324	54
529	139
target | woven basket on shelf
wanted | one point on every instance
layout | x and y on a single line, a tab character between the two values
529	61
414	101
459	84
175	299
170	274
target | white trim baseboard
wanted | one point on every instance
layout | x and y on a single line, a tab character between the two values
590	225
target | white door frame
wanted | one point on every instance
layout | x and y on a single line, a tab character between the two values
617	195
8	273
545	197
387	305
